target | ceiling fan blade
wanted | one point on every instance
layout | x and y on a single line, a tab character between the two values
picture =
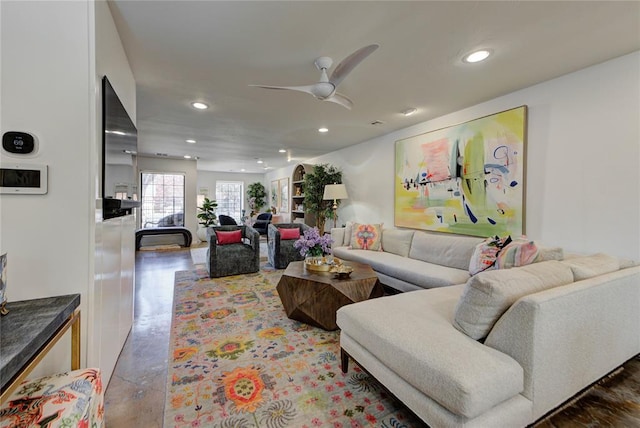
350	62
307	88
340	99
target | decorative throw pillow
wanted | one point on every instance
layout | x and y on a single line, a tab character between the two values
485	255
229	237
289	233
366	236
519	252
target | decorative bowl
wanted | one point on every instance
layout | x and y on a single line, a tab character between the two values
321	264
317	264
341	271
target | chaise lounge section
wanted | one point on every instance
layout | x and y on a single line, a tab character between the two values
506	347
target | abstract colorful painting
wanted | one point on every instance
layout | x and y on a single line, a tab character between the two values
466	179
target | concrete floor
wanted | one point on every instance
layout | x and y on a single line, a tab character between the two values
136	392
135	395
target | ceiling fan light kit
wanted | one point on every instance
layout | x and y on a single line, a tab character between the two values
325	88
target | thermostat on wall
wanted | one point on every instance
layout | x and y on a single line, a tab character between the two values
19	143
23	179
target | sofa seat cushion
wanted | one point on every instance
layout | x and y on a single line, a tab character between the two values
446	250
425	275
412	334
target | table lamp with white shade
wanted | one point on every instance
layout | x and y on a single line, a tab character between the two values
335	192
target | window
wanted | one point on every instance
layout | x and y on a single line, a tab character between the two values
162	199
229	198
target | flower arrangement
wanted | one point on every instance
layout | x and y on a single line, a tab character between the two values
312	244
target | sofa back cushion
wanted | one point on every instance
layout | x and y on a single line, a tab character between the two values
445	250
589	266
348	230
489	294
397	241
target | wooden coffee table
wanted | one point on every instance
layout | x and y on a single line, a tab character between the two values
314	297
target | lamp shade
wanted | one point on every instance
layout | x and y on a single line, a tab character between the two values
335	191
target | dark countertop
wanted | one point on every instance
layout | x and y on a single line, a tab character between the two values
27	327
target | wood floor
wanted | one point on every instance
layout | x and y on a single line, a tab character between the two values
135	395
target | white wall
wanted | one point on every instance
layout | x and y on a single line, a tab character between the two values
47	89
184	166
56	244
583	160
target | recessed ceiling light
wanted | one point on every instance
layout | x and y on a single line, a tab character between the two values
260	161
410	111
187	157
477	56
191	141
323	130
282	151
243	170
199	105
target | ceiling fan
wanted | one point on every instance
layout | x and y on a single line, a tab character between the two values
325	88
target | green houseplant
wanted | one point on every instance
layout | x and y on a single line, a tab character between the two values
207	214
256	194
313	184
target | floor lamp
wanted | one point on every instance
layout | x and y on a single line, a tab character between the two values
335	192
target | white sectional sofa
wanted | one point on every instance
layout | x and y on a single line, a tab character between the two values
412	260
546	331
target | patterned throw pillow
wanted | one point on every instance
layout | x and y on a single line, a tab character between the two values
366	236
485	255
519	252
289	233
233	237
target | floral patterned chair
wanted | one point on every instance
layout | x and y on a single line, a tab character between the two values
73	399
280	251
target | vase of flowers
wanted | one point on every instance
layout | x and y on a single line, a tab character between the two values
313	247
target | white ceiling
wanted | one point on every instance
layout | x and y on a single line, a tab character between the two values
182	51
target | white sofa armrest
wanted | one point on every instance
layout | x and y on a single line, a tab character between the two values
570	336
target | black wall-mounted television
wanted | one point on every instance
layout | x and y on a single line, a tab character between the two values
119	156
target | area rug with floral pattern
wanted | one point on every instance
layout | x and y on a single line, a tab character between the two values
236	360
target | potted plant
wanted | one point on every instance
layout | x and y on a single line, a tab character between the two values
313	185
207	217
256	197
